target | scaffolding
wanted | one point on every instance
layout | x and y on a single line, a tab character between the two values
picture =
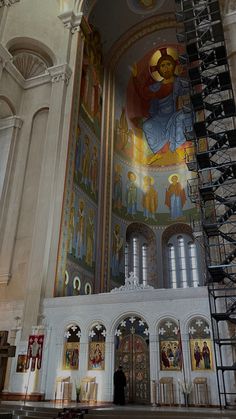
214	187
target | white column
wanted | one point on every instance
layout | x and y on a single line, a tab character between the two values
110	363
46	196
11	175
154	367
4	6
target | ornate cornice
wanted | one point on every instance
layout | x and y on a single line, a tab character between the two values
71	20
61	72
75	22
8	2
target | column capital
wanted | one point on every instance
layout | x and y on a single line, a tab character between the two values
61	72
71	20
8	2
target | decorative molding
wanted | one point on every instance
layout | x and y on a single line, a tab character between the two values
11	122
29	64
132	284
4	278
5	56
8	2
71	20
61	72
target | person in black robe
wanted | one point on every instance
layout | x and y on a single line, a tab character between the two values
119	386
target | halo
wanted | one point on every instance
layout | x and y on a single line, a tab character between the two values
67	278
149	177
76	283
173	174
87	286
155	57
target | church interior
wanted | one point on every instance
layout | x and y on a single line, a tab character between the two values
118	248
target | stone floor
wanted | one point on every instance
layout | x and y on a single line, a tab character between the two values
47	409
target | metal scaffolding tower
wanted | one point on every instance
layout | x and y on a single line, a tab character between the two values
214	161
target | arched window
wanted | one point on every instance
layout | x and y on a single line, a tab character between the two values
141	254
182	262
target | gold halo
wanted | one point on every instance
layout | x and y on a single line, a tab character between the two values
155	57
174	174
149	177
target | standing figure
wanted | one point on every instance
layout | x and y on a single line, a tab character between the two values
79	251
117	194
86	162
78	154
166	123
117	244
164	358
94	170
149	198
119	386
90	238
197	355
206	354
175	198
71	230
97	357
131	194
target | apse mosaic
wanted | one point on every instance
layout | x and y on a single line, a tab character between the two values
170	345
200	345
151	127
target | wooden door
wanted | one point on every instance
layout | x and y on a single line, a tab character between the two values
132	352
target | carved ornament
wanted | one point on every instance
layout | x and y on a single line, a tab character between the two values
8	2
59	73
132	284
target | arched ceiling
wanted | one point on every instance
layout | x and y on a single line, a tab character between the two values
114	18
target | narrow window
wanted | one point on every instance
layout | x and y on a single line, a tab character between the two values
193	264
182	263
144	263
135	257
126	260
172	266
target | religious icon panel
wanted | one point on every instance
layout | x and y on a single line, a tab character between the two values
170	345
200	344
